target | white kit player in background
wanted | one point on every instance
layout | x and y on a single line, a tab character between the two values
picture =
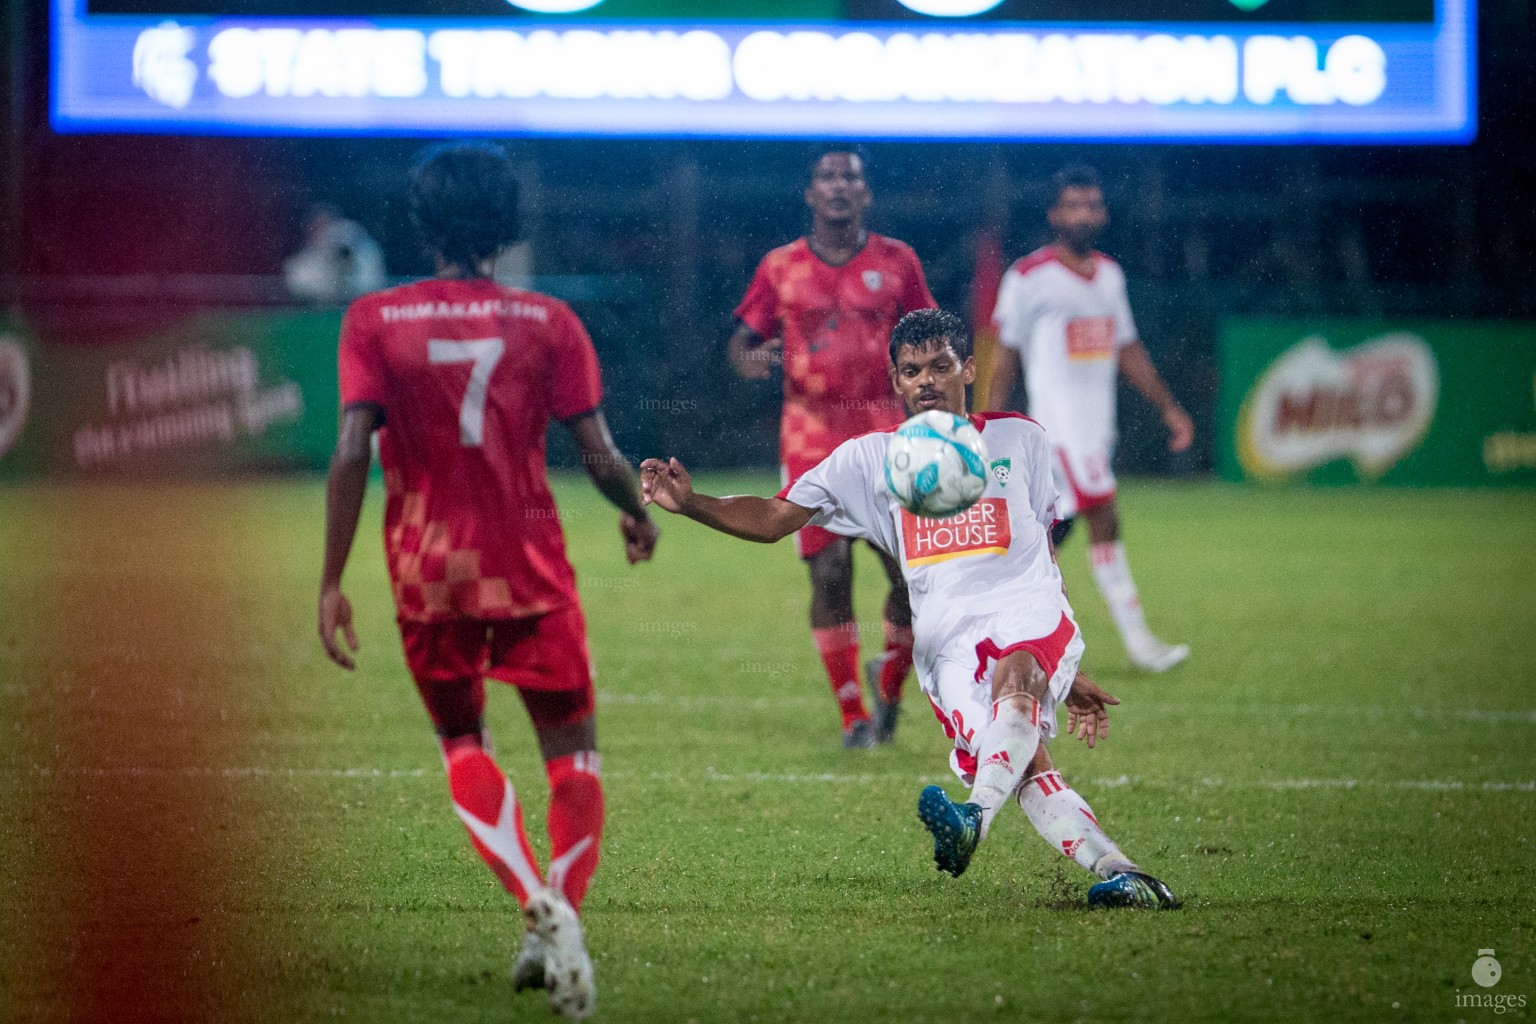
1064	310
997	649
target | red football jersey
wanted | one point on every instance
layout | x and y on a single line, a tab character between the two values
836	326
469	374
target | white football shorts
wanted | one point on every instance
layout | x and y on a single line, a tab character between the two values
959	687
1083	476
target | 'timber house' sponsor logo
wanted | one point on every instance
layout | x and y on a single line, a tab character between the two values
1371	404
981	529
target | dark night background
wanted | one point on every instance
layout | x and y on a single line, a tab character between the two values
105	235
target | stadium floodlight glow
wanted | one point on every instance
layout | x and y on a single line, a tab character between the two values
950	8
555	6
1187	81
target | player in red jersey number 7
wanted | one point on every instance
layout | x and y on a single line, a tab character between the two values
460	377
997	648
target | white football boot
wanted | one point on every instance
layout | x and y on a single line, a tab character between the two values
1150	654
567	968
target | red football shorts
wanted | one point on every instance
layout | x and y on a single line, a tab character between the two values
810	541
546	658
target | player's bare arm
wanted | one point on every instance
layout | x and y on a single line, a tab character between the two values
611	475
746	516
1138	370
345	485
753	356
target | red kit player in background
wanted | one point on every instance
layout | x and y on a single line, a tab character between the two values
829	301
460	377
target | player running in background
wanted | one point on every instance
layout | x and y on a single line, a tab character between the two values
460	378
997	648
828	301
1064	310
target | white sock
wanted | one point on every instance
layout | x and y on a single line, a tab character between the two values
1064	820
1007	747
1113	575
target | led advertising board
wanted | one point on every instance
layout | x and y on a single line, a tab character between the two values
1281	71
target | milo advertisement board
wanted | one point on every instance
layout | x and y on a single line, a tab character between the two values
1426	402
216	393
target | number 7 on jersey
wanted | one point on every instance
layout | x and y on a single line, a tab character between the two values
484	353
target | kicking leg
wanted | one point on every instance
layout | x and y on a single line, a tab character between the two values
1009	744
1007	747
837	636
1112	575
1067	823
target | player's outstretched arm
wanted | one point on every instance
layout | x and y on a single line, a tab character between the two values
764	520
344	488
611	475
1143	376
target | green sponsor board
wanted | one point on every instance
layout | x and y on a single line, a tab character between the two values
215	393
1417	402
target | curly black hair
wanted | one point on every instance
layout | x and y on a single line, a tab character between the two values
464	201
927	328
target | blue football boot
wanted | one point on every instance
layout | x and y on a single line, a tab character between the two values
884	713
956	829
1132	889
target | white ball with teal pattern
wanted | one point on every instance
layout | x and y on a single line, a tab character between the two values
936	464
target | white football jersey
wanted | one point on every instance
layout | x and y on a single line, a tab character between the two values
992	558
1068	331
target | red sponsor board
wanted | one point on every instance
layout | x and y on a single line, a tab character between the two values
981	529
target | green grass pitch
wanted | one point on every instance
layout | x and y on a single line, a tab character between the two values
203	818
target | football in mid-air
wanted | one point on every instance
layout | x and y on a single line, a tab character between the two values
936	464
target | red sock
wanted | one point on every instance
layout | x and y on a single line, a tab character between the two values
575	822
484	801
897	661
839	649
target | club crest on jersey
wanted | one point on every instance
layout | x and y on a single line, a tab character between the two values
1002	469
873	279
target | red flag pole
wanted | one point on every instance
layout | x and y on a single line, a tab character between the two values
985	280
